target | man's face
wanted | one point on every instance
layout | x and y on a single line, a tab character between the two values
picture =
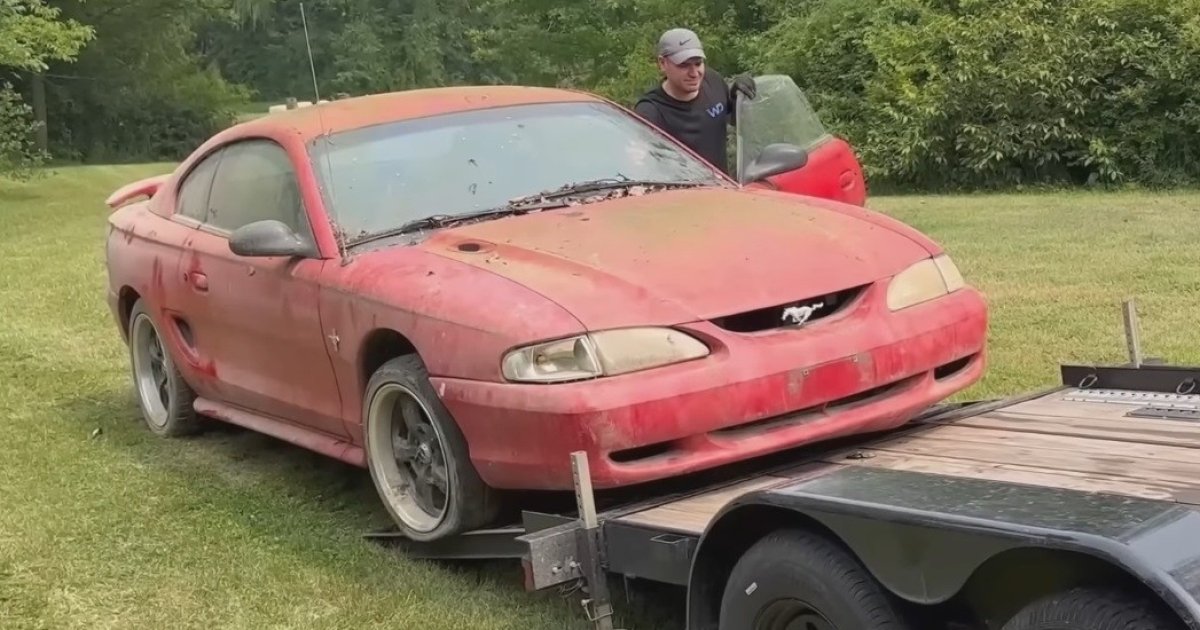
686	76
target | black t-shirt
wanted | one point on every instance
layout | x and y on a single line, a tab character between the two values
699	123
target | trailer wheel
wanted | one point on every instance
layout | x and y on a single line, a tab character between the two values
163	397
418	457
795	579
1092	609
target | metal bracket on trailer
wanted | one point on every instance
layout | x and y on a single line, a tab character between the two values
598	606
571	552
1157	390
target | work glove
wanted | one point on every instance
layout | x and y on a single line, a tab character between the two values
744	83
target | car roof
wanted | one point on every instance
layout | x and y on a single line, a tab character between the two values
363	111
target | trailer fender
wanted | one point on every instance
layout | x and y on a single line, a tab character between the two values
926	537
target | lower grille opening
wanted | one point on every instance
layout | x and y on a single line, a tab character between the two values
637	453
782	315
816	412
947	370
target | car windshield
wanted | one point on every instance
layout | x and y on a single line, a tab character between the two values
379	178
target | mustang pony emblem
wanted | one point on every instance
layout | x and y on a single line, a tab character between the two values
799	315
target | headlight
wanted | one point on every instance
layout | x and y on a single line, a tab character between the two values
929	279
605	353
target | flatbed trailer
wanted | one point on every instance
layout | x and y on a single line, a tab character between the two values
1080	502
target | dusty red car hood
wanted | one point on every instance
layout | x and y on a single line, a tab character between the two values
678	256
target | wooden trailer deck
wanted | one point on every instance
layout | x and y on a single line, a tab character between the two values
1068	438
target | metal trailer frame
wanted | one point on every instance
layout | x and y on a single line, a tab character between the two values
940	518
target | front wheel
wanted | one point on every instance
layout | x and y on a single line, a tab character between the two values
1093	609
798	580
418	457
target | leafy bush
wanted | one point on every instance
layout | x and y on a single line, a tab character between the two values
140	90
31	35
18	156
946	93
154	120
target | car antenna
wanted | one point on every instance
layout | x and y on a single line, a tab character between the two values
312	67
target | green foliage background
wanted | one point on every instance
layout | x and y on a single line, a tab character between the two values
933	94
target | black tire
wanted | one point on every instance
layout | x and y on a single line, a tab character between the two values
164	398
1093	609
466	502
791	570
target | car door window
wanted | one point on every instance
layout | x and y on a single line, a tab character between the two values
254	182
780	112
192	199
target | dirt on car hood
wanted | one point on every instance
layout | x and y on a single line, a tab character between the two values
682	255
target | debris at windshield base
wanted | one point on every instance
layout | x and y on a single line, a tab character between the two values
593	192
566	196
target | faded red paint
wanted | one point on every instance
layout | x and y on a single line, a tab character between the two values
750	378
141	188
832	172
328	446
681	255
265	354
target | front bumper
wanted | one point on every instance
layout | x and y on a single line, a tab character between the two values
864	371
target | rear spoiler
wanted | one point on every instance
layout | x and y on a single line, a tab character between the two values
142	187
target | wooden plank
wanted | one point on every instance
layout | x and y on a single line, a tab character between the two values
1105	417
1053	405
1142	430
1111	464
1044	441
1028	475
1001	438
691	515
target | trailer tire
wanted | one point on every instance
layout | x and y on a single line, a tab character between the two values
791	573
1093	609
400	403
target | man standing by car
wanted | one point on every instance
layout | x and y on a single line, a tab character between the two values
692	103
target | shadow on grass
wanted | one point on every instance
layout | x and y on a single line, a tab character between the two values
287	494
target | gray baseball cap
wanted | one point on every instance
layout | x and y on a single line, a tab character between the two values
679	45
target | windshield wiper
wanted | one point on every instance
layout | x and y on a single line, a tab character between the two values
594	185
538	201
416	225
447	220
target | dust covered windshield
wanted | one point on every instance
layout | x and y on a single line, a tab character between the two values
779	113
377	178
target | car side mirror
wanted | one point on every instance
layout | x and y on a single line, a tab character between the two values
267	238
775	159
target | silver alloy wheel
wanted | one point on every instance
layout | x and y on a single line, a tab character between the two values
408	457
152	369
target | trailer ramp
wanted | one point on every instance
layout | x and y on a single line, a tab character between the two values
1069	438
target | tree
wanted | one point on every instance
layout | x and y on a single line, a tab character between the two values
31	35
140	91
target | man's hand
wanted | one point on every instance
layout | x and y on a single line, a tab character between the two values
744	83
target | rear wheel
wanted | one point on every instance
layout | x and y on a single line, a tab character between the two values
164	398
798	580
418	457
1093	609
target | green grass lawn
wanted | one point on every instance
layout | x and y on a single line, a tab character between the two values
105	526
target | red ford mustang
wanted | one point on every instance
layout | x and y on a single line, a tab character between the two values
456	288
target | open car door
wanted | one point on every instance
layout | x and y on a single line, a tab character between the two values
781	114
